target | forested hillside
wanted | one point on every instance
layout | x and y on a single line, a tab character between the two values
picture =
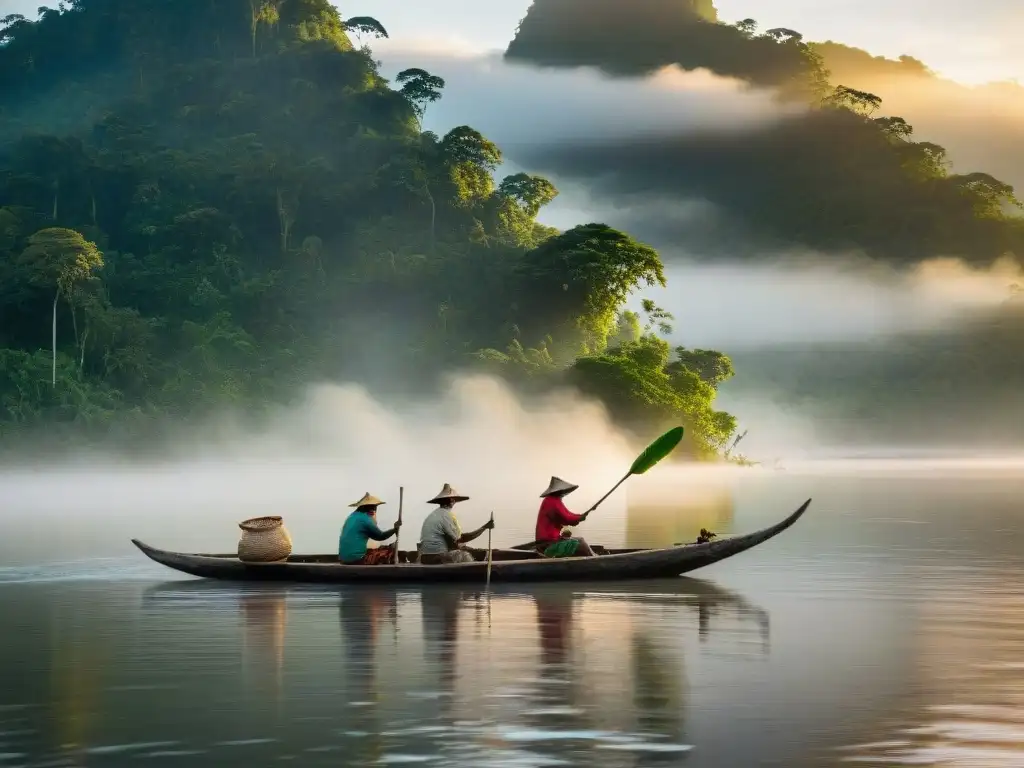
847	176
842	176
210	204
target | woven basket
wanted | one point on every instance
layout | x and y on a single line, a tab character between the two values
264	540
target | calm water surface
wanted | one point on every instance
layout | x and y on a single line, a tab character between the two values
887	627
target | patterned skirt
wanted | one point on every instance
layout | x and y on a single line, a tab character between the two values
378	556
562	548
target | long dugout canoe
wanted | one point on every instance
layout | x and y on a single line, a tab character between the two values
508	565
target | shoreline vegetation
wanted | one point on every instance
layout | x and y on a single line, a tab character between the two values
247	208
206	207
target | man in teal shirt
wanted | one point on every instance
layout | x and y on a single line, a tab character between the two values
359	528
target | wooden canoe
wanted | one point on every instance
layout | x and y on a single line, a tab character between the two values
509	565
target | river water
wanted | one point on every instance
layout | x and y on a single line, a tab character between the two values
886	627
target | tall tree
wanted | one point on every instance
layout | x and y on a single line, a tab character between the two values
365	25
420	88
60	259
262	12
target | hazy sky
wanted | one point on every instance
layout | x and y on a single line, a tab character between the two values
966	41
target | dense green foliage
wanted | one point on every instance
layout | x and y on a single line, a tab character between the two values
637	37
640	379
215	203
839	177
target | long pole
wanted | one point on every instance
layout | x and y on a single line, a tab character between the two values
624	479
489	553
401	498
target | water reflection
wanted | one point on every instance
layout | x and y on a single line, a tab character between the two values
970	707
440	611
556	698
895	634
591	676
364	618
211	674
265	618
75	678
658	692
672	508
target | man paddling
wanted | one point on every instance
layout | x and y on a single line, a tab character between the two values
442	541
552	516
359	528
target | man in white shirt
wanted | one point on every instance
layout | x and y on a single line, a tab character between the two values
441	538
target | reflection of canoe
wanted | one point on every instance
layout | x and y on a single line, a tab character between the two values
666	591
219	596
509	565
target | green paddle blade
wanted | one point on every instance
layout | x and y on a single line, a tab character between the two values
657	451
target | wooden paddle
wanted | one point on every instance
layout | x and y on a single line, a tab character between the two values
652	454
489	553
401	498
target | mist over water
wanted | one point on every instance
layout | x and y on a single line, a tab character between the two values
814	298
313	460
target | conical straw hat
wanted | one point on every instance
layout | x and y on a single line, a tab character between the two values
558	485
368	500
447	494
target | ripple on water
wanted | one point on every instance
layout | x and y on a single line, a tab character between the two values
967	757
647	747
555	712
970	642
116	749
175	753
399	759
97	569
516	758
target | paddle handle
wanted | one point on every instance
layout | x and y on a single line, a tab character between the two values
401	498
489	553
614	487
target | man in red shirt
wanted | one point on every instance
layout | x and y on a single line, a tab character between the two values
553	515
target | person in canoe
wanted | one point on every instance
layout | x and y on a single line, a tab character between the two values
359	528
551	540
441	539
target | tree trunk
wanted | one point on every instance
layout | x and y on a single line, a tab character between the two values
433	219
92	198
285	233
286	217
56	194
255	22
54	339
74	321
81	357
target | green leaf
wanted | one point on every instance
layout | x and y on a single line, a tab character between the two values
657	451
